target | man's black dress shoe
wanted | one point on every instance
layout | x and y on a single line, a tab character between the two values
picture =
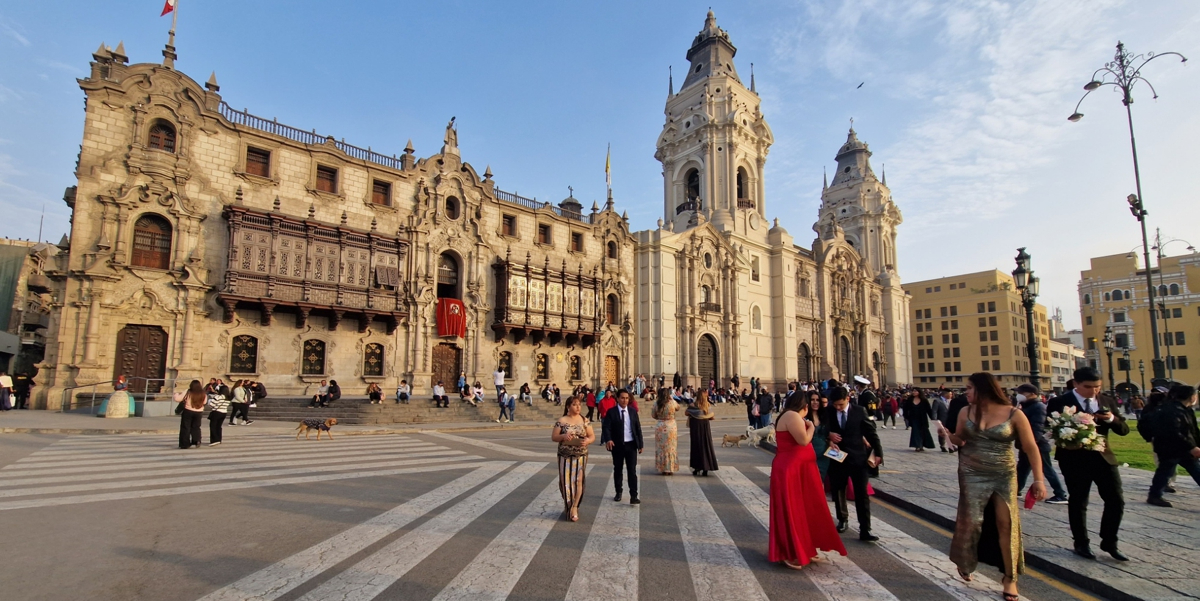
635	501
867	537
841	526
1114	551
1084	551
618	497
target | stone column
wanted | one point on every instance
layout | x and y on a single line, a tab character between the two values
91	335
185	351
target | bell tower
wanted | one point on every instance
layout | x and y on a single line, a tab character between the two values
715	140
861	204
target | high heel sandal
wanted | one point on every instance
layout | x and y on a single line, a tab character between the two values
794	566
573	516
1009	596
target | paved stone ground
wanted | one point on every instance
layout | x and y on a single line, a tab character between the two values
1163	544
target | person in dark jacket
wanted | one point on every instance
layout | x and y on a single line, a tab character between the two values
920	438
1175	441
957	404
766	403
1029	399
621	435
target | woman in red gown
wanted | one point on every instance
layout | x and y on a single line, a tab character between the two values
800	520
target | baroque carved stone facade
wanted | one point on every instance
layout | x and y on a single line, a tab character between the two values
721	291
207	242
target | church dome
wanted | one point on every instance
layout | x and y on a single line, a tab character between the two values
776	228
853	144
570	204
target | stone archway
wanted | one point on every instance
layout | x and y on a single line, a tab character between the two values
804	360
707	360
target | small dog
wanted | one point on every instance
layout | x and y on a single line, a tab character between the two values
731	440
755	436
320	425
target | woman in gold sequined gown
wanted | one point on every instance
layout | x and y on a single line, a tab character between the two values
988	527
573	434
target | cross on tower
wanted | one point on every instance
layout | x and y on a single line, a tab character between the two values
570	191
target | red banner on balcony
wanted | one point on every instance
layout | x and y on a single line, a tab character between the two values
451	318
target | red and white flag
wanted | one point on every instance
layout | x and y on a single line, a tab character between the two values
169	6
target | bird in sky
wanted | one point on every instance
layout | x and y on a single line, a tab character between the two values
860	85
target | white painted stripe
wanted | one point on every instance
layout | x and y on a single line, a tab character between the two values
371	576
719	571
204	455
228	475
278	579
928	562
284	442
231	470
238	435
837	577
491	446
182	490
608	566
496	570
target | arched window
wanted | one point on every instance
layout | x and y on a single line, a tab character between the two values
742	184
612	250
447	276
1087	299
756	318
693	184
452	208
1174	289
543	367
1162	290
504	364
1117	295
804	356
612	310
576	367
243	355
754	268
151	242
373	359
705	294
1129	295
1107	296
312	361
162	136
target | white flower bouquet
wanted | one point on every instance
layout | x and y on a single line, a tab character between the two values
1074	430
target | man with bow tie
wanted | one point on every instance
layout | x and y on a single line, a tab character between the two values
1081	468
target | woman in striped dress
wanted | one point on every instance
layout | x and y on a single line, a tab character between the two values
573	434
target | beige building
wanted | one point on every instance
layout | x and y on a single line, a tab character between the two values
26	302
1112	295
723	289
973	322
208	242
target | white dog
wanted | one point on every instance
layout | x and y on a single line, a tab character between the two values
755	436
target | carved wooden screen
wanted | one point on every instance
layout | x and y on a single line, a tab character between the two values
243	355
312	361
373	359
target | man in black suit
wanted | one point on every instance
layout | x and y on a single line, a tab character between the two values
850	431
1081	468
621	433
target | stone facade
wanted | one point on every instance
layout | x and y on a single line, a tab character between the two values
722	290
207	242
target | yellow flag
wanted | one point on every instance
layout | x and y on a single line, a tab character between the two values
608	167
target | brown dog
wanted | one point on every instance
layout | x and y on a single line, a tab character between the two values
320	425
731	440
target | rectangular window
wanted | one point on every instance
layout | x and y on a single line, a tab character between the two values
979	308
937	288
994	335
508	225
985	365
928	313
1088	320
381	193
955	352
996	364
992	321
996	350
543	234
953	324
258	161
1122	364
1181	362
953	286
982	336
958	366
921	367
754	268
954	338
953	311
920	353
945	325
945	339
983	352
919	314
1119	317
991	306
1091	345
945	311
946	353
983	322
576	242
928	290
327	179
1177	313
947	365
1122	340
1179	339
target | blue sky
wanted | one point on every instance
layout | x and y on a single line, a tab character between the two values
965	102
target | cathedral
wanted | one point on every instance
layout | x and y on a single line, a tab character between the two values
723	289
208	242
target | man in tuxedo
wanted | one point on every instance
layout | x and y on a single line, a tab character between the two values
621	434
1081	468
850	431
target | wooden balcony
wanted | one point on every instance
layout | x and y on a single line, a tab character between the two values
526	306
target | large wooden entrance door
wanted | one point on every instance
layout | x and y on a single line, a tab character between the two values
141	356
706	360
447	363
612	371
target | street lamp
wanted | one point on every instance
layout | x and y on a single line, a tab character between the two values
1124	75
1162	296
1028	284
1125	356
1142	370
1109	345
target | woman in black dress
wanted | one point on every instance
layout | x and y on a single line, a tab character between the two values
704	458
920	438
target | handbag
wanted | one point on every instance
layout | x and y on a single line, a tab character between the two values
179	399
754	411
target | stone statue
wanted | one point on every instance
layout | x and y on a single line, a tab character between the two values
451	139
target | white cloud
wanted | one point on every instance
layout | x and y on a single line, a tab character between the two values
12	32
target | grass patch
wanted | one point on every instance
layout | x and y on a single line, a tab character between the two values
1135	451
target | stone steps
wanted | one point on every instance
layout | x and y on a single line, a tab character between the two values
360	411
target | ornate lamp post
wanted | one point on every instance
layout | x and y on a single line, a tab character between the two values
1123	74
1163	313
1109	345
1028	284
1125	356
1142	370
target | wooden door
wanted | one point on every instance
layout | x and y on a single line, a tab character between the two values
141	356
612	371
706	356
447	361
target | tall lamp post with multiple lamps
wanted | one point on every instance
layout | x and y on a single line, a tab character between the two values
1109	345
1028	284
1124	72
1142	370
1125	357
1162	296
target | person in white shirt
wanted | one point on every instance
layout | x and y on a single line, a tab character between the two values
6	385
402	392
476	394
498	379
439	395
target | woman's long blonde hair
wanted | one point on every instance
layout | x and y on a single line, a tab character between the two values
702	401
